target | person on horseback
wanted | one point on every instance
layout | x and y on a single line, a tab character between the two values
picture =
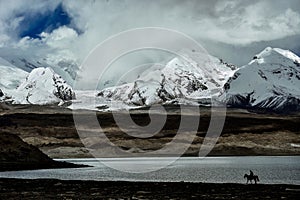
251	177
251	173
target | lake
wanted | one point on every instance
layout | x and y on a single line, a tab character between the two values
270	169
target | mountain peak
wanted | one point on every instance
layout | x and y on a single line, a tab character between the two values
189	76
275	55
43	86
270	81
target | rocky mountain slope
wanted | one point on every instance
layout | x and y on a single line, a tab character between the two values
271	81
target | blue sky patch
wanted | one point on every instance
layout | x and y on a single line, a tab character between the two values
36	23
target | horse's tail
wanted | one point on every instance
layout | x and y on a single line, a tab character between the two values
257	178
245	176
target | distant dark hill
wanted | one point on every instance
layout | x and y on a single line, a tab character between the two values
15	154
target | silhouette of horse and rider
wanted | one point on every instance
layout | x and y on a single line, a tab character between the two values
251	177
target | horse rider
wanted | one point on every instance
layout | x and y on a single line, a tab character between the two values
251	173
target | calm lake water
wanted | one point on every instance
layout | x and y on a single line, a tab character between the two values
271	170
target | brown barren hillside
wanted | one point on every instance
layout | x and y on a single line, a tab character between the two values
53	131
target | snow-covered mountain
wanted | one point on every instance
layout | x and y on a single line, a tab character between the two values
182	79
10	78
43	86
40	86
64	65
270	81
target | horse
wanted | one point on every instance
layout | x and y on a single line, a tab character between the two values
250	178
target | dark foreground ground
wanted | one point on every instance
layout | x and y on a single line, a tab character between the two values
58	189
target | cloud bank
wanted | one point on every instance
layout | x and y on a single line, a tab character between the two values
231	22
73	28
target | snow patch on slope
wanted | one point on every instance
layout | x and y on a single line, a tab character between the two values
86	99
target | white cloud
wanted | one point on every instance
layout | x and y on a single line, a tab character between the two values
236	22
288	23
245	25
232	22
61	37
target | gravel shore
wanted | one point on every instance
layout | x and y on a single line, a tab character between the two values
59	189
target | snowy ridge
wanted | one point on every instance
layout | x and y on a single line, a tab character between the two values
270	81
10	79
43	86
64	65
180	78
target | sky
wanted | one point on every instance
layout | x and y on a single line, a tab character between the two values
234	30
